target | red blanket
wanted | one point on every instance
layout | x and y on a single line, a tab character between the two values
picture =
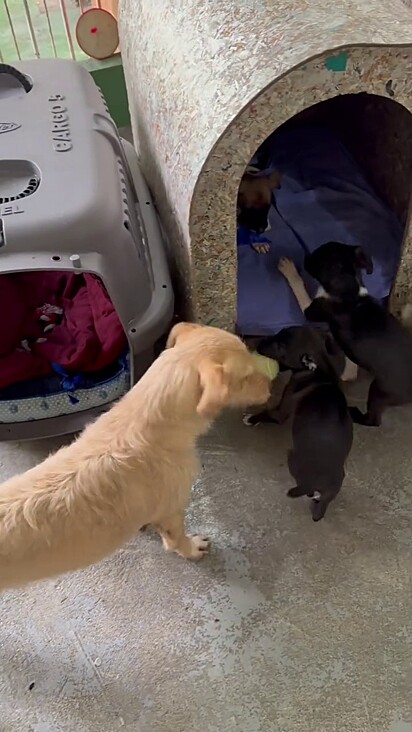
55	318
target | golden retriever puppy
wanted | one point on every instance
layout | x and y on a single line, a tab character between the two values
134	466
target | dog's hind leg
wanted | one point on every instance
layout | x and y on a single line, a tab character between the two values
377	403
320	504
318	508
299	489
297	492
172	531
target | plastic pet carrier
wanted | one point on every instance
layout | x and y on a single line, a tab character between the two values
83	274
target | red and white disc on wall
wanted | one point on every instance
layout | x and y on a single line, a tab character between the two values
97	33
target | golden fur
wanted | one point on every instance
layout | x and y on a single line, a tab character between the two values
255	194
134	466
256	191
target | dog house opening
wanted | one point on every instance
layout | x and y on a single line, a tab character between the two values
63	347
337	171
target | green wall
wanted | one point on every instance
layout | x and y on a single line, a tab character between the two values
110	78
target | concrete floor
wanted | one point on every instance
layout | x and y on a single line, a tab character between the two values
288	626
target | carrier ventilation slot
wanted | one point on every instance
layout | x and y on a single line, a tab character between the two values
31	187
104	101
132	221
124	188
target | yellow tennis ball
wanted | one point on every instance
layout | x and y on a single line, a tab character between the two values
267	366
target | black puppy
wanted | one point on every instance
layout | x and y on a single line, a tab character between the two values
368	334
322	427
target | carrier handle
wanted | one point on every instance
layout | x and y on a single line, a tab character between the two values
21	78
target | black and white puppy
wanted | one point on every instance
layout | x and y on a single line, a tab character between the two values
288	268
368	334
322	427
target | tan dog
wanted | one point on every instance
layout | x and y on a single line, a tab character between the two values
254	201
134	466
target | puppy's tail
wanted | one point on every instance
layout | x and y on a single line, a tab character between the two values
406	316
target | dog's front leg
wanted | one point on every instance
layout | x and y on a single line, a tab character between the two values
278	414
297	285
287	405
172	531
295	281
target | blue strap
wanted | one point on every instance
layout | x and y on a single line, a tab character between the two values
68	383
247	237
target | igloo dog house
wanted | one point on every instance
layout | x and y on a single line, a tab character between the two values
208	87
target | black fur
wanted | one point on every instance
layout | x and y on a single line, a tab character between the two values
322	434
291	344
322	429
368	334
254	218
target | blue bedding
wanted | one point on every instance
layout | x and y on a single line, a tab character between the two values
323	197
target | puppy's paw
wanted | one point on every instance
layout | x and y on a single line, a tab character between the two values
273	417
199	547
261	248
365	419
287	268
356	415
251	420
296	492
318	509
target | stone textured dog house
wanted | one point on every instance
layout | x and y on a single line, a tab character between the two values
208	82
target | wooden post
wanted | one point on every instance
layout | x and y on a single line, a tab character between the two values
112	6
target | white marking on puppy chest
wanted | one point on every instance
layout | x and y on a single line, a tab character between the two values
322	293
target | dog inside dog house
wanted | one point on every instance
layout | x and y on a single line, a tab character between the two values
340	171
348	75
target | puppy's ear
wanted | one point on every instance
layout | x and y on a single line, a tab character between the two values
273	347
363	260
181	330
214	389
